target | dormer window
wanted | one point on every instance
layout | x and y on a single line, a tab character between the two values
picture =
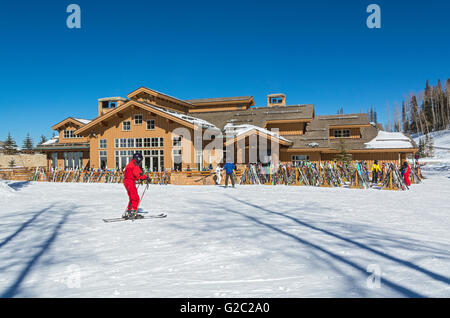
341	133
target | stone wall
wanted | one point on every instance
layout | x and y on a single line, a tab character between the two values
24	160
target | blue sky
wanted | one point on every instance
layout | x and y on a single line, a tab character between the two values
318	52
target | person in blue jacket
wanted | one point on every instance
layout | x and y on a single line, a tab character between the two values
229	169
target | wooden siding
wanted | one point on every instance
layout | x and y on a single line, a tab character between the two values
113	130
70	126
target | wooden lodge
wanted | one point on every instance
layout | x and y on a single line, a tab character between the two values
165	130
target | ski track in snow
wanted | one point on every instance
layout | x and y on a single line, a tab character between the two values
253	241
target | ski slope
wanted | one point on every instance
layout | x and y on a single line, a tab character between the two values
252	241
440	163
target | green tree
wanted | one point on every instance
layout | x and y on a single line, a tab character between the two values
43	139
28	143
343	156
10	145
12	163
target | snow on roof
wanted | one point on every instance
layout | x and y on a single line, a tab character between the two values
238	130
52	141
193	120
389	140
83	121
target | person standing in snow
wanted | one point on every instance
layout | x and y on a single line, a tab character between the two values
406	172
218	174
229	168
375	171
133	173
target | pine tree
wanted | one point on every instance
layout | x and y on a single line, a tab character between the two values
12	163
28	143
429	146
10	145
43	139
343	156
404	119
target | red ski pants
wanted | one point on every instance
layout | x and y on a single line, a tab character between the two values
133	195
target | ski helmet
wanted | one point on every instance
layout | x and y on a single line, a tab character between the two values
137	157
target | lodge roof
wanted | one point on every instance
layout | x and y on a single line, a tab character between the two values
258	116
78	121
220	99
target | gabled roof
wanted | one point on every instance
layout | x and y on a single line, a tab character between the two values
154	93
180	118
77	121
242	131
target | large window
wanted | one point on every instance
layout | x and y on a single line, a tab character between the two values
177	159
153	160
151	124
126	126
73	160
154	142
341	133
123	157
54	160
103	159
138	119
296	159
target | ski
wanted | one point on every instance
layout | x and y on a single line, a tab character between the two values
152	216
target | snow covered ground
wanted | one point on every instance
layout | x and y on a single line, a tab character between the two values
253	241
440	163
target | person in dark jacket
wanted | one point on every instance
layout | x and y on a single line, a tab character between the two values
229	170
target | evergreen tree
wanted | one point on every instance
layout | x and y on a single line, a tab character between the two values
10	145
28	143
43	139
12	163
429	146
405	125
343	156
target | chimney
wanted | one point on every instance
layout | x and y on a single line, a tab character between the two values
276	100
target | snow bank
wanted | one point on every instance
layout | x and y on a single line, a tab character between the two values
389	140
252	241
5	190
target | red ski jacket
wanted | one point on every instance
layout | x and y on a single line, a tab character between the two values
406	176
133	172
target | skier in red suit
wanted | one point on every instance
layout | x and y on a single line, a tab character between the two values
406	172
132	174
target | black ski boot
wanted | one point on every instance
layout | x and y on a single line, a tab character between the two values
133	215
